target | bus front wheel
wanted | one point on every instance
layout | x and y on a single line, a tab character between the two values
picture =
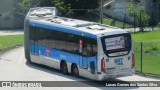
75	70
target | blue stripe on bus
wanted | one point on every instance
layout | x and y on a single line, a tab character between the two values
62	29
62	55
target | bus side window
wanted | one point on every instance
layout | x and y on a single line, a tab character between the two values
94	52
72	43
60	40
89	47
85	51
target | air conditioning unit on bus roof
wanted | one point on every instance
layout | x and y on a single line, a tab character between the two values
71	22
42	12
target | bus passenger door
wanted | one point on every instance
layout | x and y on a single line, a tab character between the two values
83	54
83	61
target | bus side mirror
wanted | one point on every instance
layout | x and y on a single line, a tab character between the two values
92	67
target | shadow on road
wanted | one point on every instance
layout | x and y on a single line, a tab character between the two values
84	81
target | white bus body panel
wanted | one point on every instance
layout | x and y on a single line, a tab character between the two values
112	70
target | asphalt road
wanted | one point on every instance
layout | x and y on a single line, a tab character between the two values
13	67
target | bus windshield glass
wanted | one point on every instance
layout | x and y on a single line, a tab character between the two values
116	45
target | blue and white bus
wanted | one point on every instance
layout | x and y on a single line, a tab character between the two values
83	48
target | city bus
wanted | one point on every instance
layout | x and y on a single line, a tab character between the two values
82	48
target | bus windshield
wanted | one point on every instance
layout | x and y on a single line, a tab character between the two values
116	45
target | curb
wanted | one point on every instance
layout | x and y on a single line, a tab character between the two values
154	76
9	48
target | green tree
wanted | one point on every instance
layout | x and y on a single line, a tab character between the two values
25	5
137	11
22	7
63	8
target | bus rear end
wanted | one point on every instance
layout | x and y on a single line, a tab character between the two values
116	57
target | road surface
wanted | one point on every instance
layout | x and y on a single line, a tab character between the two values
13	67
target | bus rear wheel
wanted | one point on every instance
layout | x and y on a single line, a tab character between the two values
75	71
64	68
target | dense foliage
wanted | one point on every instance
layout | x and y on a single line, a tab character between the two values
64	6
137	11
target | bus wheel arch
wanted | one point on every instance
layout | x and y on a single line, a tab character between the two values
63	67
75	70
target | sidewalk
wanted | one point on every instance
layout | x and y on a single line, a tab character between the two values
11	32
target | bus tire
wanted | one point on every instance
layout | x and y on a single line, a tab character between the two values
64	67
75	70
29	61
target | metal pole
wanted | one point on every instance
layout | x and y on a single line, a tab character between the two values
134	22
152	17
124	21
141	55
101	12
141	22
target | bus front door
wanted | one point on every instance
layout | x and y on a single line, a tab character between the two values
82	59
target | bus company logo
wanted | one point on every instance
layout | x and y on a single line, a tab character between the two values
48	52
6	84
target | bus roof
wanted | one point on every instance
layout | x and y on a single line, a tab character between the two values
42	19
75	25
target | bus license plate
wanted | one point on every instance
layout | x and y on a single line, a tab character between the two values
119	61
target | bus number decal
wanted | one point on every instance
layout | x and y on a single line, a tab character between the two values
119	61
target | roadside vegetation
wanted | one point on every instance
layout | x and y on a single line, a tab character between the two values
10	41
146	36
137	11
150	51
